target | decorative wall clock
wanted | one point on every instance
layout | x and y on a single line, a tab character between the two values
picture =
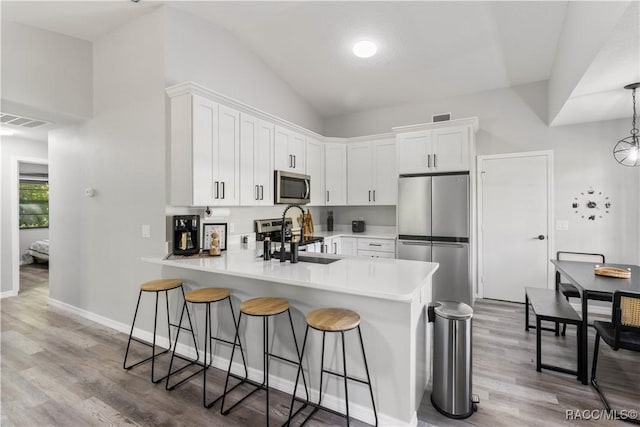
591	205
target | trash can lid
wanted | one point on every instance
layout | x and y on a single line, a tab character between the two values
453	310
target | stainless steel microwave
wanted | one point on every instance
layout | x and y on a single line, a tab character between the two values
292	188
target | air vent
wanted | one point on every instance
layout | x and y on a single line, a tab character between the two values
441	117
26	122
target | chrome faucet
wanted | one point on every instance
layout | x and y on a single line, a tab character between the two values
283	230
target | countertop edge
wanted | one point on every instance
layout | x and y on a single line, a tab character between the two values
406	298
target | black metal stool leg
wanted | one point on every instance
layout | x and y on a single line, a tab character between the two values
153	348
295	388
265	348
295	342
135	316
366	368
344	366
173	354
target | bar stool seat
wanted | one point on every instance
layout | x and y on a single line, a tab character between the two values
160	285
157	286
205	295
333	320
264	307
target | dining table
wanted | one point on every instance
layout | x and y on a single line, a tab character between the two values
591	286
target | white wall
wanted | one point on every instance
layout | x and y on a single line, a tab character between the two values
96	243
513	120
199	51
45	72
11	147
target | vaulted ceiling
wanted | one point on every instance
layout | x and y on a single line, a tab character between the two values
427	50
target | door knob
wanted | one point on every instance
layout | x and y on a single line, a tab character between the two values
540	237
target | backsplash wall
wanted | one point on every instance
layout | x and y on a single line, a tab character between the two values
372	215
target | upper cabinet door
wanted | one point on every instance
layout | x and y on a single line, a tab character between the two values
335	155
227	157
204	132
359	173
414	152
297	149
256	156
451	149
385	178
315	169
263	163
249	191
290	148
282	158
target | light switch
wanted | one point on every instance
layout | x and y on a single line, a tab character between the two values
146	231
562	225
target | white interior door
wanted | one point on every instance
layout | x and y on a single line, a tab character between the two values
514	219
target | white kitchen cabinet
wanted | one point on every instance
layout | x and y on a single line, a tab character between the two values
316	169
332	245
372	178
205	147
335	174
349	246
256	154
376	248
443	149
451	149
290	150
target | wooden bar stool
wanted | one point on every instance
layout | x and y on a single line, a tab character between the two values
333	320
205	296
157	286
264	307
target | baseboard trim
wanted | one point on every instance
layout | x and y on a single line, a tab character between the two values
8	294
361	412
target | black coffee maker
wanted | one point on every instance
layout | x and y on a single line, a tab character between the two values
186	234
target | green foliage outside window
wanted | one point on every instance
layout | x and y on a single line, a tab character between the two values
34	205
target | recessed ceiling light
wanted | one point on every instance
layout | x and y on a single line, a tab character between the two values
6	132
365	49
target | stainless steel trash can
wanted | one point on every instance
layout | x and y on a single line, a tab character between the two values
451	393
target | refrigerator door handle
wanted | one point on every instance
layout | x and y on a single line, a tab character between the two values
416	243
451	245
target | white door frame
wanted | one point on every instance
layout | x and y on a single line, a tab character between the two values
550	228
15	223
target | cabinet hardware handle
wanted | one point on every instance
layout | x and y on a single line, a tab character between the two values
374	195
290	161
375	244
294	162
428	160
217	190
435	161
335	248
369	195
327	195
222	182
257	193
262	192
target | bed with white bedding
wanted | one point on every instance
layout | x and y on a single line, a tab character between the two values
39	250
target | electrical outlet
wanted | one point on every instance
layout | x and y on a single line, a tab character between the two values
146	231
232	227
562	225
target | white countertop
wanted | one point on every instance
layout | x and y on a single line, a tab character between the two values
390	279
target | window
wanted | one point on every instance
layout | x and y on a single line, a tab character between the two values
34	204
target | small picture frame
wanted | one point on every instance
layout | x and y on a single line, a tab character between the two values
208	228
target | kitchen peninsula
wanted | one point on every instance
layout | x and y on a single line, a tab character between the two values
389	294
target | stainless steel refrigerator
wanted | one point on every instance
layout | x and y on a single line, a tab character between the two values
433	225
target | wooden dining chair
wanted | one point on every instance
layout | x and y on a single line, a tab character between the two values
623	332
569	290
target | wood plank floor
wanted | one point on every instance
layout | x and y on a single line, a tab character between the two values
62	370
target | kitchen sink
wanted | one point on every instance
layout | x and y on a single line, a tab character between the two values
306	258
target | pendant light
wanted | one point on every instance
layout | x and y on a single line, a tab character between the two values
627	150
